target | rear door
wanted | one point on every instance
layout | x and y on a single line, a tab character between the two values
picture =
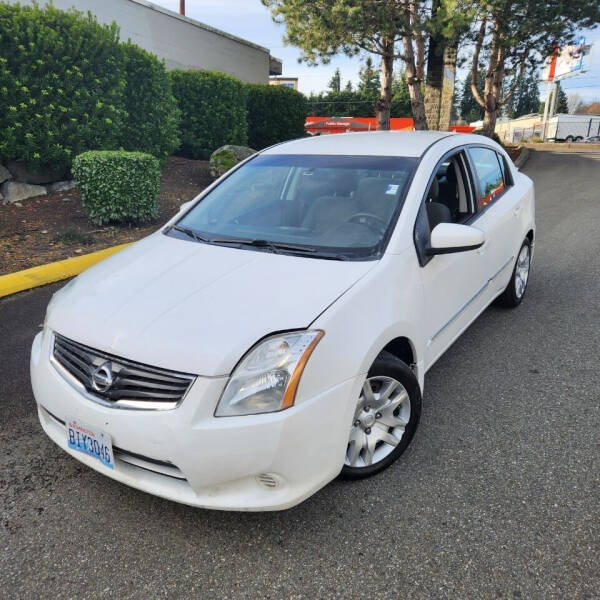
498	205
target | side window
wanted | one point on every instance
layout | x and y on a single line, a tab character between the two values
449	198
489	174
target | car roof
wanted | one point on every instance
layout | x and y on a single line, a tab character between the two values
371	143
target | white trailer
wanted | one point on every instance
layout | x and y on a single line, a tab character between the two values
572	128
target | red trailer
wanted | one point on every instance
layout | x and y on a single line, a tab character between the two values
327	125
323	125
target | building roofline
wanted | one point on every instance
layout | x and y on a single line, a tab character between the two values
174	15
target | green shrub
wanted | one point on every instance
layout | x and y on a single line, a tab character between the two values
275	114
118	186
61	85
213	111
152	123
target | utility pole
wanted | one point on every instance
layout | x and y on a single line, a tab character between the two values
551	95
182	7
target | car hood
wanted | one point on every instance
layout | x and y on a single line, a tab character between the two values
194	307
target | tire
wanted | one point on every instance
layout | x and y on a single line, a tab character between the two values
579	138
396	423
569	139
514	293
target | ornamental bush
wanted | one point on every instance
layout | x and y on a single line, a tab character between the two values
213	111
275	114
118	186
61	85
152	122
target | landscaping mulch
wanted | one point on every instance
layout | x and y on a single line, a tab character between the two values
54	227
513	151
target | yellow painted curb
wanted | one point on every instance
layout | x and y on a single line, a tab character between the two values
44	274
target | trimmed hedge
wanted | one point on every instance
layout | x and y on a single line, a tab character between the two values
275	114
67	85
118	186
213	111
61	85
152	123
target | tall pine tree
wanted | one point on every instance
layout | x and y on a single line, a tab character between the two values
335	83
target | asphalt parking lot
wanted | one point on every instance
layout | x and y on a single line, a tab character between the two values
498	496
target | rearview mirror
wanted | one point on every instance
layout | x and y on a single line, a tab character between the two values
447	238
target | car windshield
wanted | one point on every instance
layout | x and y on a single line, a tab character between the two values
324	206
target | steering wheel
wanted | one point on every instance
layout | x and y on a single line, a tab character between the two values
373	222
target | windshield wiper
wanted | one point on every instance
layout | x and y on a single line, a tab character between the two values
191	233
277	247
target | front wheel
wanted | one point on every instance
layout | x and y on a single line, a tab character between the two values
385	420
515	290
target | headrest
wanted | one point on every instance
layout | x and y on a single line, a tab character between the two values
345	182
434	191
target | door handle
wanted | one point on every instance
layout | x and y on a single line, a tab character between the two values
516	211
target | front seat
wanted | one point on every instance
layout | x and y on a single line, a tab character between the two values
436	211
449	191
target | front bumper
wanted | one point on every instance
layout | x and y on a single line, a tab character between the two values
189	456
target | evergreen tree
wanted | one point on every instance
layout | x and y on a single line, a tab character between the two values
368	83
401	106
526	98
469	108
335	83
562	107
348	87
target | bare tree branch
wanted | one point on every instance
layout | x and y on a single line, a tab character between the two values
475	64
515	85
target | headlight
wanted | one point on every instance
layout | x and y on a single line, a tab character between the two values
267	378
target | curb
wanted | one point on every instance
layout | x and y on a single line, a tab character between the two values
522	158
563	147
51	272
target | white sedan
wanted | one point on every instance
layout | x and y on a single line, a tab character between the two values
276	332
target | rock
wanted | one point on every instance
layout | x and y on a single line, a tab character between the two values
47	174
226	157
61	186
18	204
4	174
14	191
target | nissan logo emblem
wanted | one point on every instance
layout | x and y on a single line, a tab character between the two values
102	377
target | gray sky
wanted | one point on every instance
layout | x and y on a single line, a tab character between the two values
250	20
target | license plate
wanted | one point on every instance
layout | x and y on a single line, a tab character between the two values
90	441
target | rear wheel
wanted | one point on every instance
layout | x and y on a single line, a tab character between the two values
385	420
515	290
569	139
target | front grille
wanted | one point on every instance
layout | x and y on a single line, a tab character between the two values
116	381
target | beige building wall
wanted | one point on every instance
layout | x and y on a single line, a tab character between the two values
182	42
514	128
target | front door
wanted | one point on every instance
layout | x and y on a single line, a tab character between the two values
454	284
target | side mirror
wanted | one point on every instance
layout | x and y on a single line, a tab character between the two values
447	238
185	205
